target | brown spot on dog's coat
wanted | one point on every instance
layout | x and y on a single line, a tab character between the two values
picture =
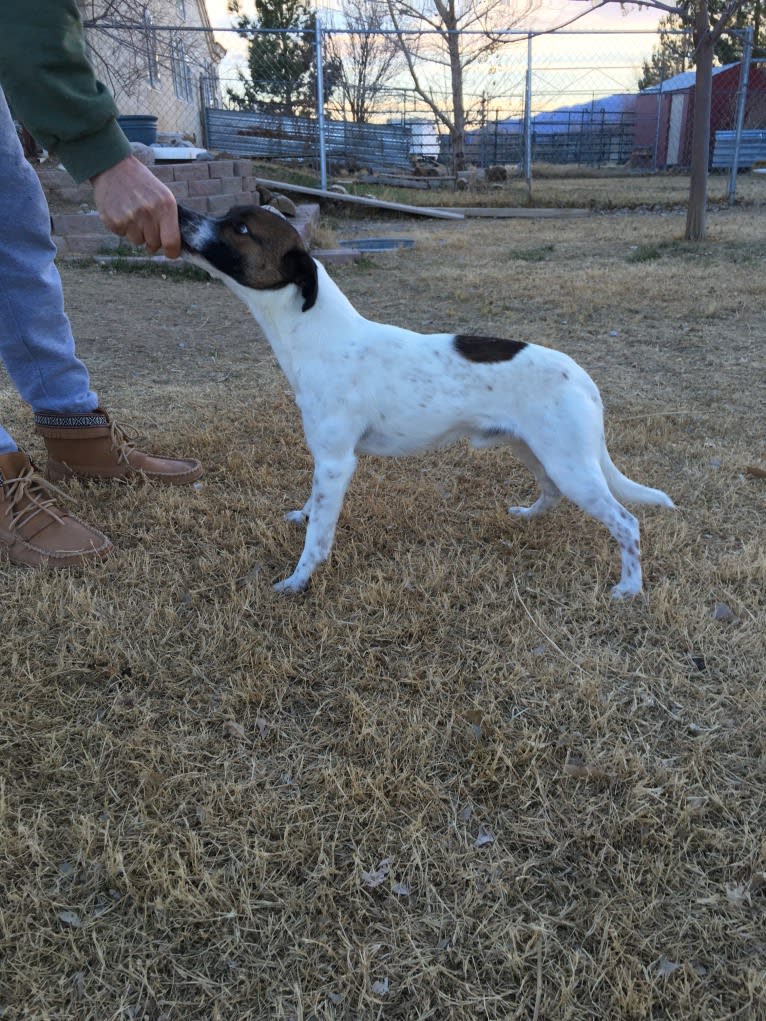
487	349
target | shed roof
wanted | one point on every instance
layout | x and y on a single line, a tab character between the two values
684	80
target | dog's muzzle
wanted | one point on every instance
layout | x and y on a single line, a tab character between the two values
194	229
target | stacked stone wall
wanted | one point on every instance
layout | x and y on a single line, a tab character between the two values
206	186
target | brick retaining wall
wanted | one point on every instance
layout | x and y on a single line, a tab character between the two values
206	186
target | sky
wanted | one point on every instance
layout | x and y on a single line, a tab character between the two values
570	69
550	13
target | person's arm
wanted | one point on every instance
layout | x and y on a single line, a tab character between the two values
51	86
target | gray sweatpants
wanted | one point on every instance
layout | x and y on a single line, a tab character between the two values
36	342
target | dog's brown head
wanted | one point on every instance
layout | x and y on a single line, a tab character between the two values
253	247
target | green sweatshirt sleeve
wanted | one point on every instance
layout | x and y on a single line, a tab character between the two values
50	84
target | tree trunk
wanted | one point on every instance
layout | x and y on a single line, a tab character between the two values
700	155
458	110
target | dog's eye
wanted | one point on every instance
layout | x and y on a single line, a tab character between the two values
241	228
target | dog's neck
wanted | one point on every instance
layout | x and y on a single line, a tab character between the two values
296	336
280	315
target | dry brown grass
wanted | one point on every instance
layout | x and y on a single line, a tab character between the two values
561	186
454	780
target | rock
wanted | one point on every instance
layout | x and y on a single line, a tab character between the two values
285	205
144	153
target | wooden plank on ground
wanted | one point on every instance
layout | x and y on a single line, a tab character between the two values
425	183
520	212
359	200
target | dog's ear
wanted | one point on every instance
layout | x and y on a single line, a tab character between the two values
299	268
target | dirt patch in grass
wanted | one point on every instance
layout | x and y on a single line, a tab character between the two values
454	780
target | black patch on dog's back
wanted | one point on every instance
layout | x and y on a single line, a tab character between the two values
487	349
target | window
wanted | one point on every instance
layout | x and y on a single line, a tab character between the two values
211	85
182	76
152	61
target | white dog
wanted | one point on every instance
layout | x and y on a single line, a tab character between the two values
370	388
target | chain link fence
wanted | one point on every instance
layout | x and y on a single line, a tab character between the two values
338	100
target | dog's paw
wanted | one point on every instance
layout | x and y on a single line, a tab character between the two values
625	590
291	586
297	517
520	512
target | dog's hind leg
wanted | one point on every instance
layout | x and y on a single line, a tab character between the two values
331	479
624	528
549	498
585	485
550	495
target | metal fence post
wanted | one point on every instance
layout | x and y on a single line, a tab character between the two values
744	77
655	163
203	112
320	106
527	158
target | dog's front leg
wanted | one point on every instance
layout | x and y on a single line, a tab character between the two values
331	479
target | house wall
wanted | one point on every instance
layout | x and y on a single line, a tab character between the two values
151	70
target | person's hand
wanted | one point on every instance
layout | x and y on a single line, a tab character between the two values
134	204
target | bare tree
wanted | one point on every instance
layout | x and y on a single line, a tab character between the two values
118	37
706	30
125	49
366	55
451	36
704	37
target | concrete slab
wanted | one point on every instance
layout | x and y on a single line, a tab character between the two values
337	256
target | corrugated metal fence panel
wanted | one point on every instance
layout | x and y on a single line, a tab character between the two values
752	147
242	133
377	144
245	133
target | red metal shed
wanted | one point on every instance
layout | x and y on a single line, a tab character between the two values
664	112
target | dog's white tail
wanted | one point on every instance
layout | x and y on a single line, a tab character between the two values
628	491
